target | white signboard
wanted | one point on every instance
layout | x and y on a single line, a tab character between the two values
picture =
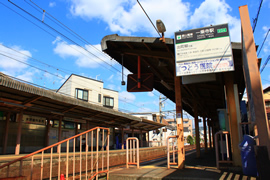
204	50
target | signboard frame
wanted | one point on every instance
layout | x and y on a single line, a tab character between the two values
203	50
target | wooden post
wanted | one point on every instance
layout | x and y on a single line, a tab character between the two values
197	133
122	132
5	140
132	133
19	133
205	135
231	106
253	81
179	120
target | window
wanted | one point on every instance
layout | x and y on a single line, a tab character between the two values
108	102
81	94
267	103
99	98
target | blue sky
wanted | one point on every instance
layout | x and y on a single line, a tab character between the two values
33	51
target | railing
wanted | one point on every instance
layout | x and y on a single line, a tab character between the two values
219	136
89	169
132	146
171	149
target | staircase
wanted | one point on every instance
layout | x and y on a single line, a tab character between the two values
83	156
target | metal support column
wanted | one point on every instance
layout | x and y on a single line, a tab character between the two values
59	134
197	133
19	133
122	135
179	120
232	119
205	135
5	140
48	127
148	138
253	80
141	138
209	134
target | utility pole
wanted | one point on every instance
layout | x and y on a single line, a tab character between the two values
161	100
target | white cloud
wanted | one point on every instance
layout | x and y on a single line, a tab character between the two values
89	56
127	97
13	60
216	12
127	17
27	76
52	4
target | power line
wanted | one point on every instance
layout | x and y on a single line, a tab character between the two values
56	76
148	18
51	33
65	27
263	41
63	35
256	19
80	37
265	63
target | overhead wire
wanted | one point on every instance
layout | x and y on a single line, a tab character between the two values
80	37
148	18
72	32
58	77
264	41
52	29
256	19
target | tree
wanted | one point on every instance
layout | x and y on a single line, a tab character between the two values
190	140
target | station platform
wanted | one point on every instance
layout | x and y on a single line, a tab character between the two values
195	168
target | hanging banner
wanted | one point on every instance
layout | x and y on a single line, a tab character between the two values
203	50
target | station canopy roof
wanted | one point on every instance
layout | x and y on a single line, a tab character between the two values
16	96
158	58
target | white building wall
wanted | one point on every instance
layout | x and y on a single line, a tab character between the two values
94	88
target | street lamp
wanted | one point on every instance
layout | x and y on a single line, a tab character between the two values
161	28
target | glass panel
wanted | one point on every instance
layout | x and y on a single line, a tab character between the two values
111	101
80	94
85	95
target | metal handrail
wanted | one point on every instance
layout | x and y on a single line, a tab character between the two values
131	153
58	145
228	160
174	151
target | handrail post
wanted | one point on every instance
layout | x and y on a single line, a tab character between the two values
132	152
173	151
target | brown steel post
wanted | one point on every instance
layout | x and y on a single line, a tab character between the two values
179	119
5	140
60	129
48	127
148	139
19	133
197	133
205	135
59	134
122	131
232	119
209	134
253	80
141	138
